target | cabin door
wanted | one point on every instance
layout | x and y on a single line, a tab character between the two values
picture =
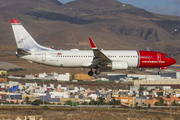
44	57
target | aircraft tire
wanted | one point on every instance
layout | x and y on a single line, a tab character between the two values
97	72
90	73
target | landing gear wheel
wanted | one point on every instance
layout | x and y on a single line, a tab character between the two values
159	72
90	73
97	72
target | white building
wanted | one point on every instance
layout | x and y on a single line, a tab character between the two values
103	79
148	77
178	75
42	75
59	95
31	76
55	75
93	96
30	84
64	88
12	83
64	77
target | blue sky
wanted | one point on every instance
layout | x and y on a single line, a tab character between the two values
167	7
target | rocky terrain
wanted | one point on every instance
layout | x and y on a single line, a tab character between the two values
85	114
111	24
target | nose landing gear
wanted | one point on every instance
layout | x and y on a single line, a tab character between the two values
159	72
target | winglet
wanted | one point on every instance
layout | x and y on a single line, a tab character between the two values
93	46
15	21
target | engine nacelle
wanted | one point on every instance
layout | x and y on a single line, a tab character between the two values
118	65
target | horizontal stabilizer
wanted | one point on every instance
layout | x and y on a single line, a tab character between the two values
9	52
23	52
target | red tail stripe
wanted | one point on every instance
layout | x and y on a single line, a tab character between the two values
14	21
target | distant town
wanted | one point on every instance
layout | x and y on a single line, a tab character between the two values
146	90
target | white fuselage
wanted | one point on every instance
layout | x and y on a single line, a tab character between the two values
29	49
80	58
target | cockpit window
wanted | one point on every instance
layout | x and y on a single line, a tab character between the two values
167	56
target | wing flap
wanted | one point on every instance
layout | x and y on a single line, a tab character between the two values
99	57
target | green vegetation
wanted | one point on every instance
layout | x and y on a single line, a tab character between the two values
159	87
93	102
11	102
160	103
38	102
74	104
84	103
27	100
115	102
101	101
17	102
141	89
175	104
15	69
68	102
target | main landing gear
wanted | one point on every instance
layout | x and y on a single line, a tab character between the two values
91	73
97	72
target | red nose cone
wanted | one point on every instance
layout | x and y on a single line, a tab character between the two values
173	61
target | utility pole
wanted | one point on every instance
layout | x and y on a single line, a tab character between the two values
141	99
43	90
127	95
146	89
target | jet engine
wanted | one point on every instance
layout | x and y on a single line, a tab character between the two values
118	65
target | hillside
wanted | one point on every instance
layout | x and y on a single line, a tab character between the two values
111	24
22	6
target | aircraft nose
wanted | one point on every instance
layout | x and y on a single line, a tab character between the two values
173	61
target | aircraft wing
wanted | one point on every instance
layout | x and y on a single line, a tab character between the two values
99	57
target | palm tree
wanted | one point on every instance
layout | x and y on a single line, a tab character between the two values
27	100
101	101
141	89
92	102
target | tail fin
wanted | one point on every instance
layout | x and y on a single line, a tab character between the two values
23	38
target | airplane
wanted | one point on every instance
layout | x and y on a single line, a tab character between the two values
100	60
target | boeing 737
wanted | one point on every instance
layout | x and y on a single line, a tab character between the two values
100	60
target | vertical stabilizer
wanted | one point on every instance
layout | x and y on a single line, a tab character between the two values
23	38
